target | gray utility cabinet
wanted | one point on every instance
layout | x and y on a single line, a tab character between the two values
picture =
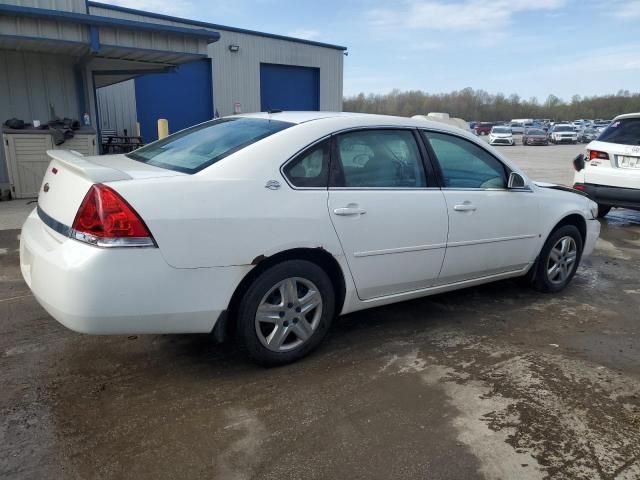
27	160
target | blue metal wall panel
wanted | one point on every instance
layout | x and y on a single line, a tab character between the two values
184	98
285	87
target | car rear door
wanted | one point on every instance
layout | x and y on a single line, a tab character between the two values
388	212
492	229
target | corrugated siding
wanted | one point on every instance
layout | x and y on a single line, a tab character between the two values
41	28
236	76
32	82
117	107
77	6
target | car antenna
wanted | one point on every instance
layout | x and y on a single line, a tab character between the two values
273	110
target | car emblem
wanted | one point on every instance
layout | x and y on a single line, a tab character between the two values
46	187
272	185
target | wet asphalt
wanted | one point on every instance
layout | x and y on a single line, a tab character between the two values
497	381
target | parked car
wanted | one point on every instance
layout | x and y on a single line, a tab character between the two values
563	133
501	136
535	136
517	128
274	223
588	134
610	171
483	128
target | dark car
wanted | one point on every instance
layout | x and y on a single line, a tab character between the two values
484	128
588	134
535	136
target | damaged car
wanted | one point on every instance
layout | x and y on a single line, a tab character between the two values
270	225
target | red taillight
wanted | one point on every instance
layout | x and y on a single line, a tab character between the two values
595	154
106	219
579	186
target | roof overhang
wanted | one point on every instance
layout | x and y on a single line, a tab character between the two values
114	49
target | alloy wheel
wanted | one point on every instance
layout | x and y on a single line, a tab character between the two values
561	260
288	314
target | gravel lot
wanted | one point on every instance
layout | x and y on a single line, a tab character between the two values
491	382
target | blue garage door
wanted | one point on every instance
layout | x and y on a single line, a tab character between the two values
283	87
184	98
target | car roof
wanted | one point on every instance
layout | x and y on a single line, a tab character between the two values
628	115
352	119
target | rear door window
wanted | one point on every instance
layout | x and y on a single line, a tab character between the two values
625	131
379	159
195	148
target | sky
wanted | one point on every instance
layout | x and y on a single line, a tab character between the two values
530	47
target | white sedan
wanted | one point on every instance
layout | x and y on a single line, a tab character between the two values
271	224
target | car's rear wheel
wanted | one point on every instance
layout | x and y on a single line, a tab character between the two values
603	210
286	312
558	260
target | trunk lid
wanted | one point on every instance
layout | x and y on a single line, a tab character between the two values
70	175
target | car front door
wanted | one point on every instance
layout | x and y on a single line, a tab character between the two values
492	229
388	212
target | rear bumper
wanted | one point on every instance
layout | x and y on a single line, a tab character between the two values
120	291
613	196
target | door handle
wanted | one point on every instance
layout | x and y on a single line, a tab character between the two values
465	207
349	210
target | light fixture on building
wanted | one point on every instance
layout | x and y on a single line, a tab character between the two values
234	48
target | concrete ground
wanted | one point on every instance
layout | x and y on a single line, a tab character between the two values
495	382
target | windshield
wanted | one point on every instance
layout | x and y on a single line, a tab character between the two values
563	128
501	130
195	148
535	131
626	131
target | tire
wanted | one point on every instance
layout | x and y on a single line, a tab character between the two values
290	281
603	210
541	278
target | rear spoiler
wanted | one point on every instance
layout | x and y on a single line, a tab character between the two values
82	166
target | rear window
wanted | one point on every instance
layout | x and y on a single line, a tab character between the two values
626	131
195	148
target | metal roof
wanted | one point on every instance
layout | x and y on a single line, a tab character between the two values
214	26
100	21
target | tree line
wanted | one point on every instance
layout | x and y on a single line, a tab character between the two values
480	105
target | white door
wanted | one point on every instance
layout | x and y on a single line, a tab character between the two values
491	229
391	224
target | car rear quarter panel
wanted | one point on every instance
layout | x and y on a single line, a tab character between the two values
203	222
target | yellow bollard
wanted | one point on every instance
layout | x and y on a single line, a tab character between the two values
163	128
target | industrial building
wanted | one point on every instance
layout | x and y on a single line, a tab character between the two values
68	58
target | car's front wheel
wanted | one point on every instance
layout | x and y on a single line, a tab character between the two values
558	260
286	312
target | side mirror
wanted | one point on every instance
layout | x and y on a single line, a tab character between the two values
578	162
516	181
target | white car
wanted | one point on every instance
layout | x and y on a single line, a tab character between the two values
501	136
274	223
563	133
610	171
